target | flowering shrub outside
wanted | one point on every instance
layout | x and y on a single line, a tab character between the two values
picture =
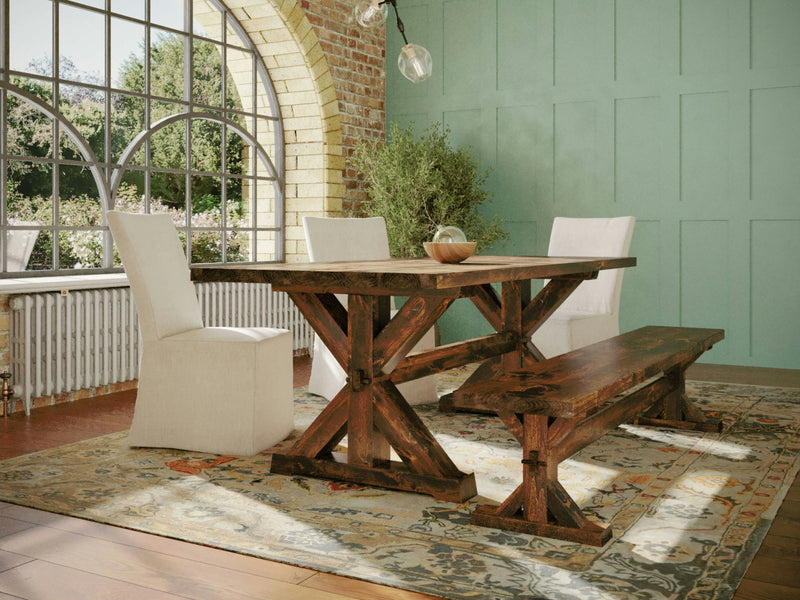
84	248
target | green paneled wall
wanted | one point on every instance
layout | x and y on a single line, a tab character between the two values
685	114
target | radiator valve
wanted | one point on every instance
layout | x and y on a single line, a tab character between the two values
6	392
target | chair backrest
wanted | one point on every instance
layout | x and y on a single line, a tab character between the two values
20	246
334	239
157	271
593	237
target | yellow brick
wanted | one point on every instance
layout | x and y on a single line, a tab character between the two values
305	176
310	190
306	205
305	149
300	85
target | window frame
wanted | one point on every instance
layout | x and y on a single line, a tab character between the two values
108	173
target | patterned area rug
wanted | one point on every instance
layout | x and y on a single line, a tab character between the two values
688	509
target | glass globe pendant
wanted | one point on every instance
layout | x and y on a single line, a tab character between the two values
371	13
415	63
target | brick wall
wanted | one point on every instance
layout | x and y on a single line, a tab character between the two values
356	58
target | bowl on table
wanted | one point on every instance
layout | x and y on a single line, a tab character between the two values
449	252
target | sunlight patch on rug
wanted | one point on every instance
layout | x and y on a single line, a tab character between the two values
688	509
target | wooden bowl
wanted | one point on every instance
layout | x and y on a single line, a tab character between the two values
449	252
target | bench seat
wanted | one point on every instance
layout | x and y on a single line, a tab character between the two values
562	404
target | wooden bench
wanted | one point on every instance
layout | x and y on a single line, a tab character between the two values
564	403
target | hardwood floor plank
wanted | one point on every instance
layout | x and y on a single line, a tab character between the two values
785	526
778	546
145	541
149	569
9	526
750	589
362	590
9	560
38	580
779	571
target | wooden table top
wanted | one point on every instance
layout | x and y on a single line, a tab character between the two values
397	276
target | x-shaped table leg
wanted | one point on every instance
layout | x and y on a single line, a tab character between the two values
369	409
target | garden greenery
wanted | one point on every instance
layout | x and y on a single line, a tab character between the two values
418	183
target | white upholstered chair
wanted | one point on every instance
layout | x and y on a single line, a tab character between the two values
335	239
591	313
222	390
20	246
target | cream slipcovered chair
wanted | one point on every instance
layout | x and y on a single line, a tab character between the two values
222	390
330	240
591	313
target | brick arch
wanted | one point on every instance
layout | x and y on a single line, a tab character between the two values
307	98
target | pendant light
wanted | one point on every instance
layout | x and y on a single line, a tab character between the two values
414	62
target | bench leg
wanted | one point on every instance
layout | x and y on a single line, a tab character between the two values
540	505
676	410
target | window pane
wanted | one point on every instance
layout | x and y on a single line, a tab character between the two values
81	45
131	8
29	131
29	42
19	247
206	146
206	246
127	55
233	194
77	194
264	209
263	106
266	246
206	201
94	3
166	64
240	246
85	109
127	121
167	12
80	249
30	191
233	35
41	258
130	194
207	73
237	153
240	80
167	190
207	20
167	146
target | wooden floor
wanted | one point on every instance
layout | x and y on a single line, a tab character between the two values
49	557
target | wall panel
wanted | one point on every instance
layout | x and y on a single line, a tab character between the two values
683	113
705	258
775	292
704	148
775	146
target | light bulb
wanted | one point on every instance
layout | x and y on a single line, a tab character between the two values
415	63
370	13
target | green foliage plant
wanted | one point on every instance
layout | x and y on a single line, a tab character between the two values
418	183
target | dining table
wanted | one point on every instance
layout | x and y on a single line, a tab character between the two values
372	344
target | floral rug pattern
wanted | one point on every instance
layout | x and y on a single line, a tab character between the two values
688	509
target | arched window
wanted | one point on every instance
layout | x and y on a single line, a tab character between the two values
142	106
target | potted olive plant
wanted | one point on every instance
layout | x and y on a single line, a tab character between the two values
419	183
